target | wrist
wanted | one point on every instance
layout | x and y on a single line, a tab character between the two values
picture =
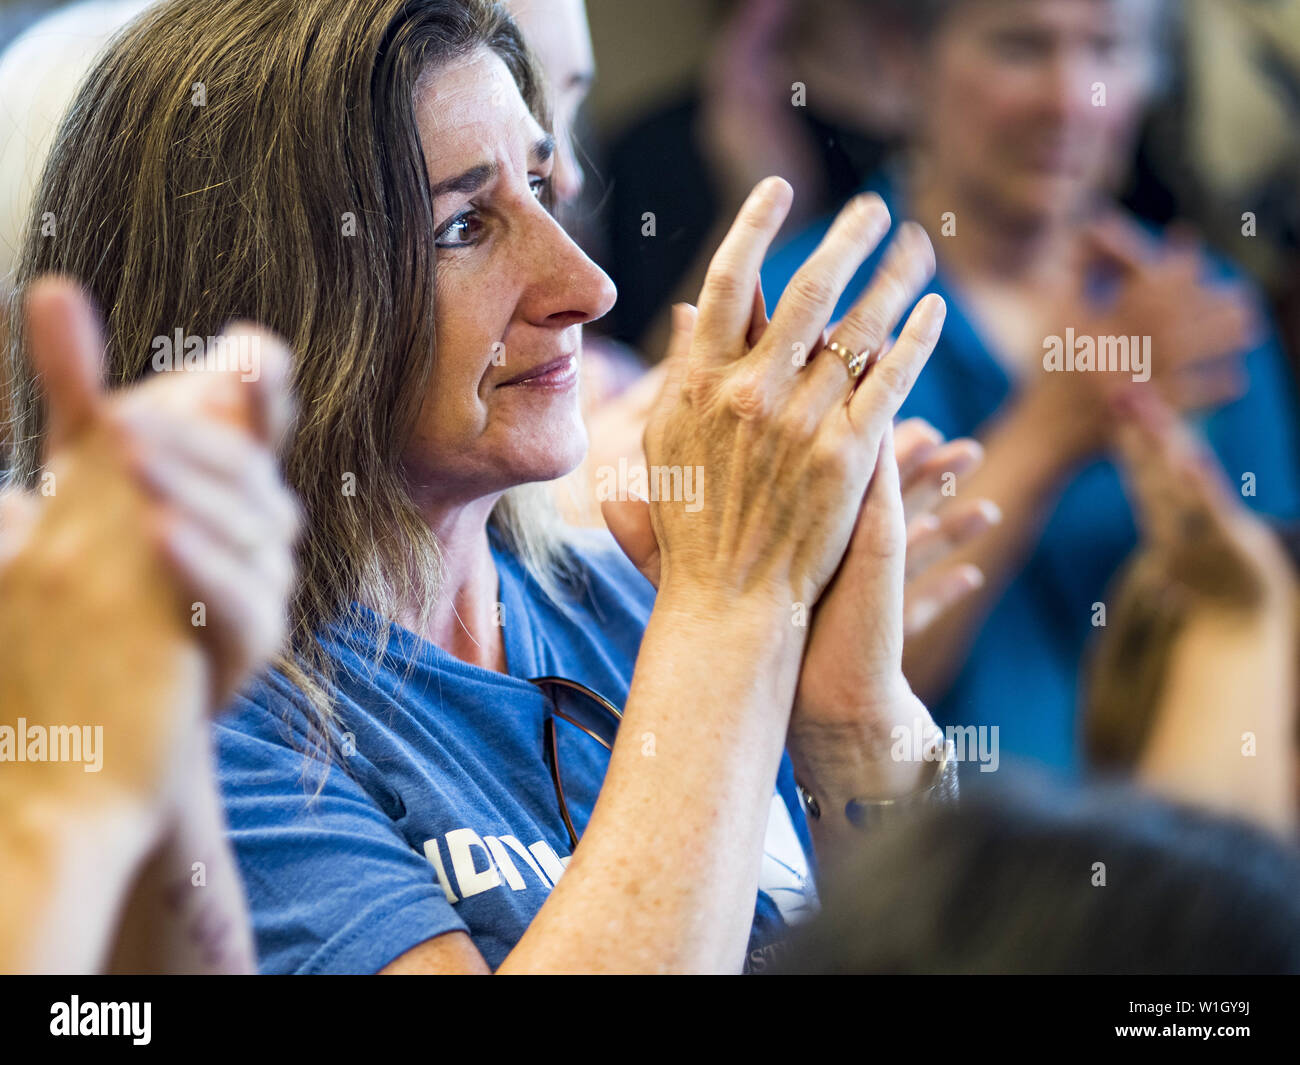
763	612
173	921
49	820
52	849
1065	428
748	646
881	751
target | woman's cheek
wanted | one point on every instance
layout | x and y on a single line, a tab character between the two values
468	336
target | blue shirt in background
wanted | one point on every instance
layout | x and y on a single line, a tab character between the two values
1023	671
439	813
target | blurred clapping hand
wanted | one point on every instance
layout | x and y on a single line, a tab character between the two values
1197	329
142	580
1194	684
938	524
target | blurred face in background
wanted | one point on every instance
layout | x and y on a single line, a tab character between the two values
1011	106
852	58
558	35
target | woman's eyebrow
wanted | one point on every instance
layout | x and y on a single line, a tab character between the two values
476	177
471	180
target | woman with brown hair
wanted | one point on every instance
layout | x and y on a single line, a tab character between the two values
370	178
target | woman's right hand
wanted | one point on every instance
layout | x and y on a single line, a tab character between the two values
782	439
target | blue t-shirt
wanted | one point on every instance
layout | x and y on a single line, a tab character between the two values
1022	673
438	813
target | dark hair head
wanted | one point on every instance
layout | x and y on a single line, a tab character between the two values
1032	878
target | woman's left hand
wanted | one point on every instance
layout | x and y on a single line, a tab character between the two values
852	694
935	529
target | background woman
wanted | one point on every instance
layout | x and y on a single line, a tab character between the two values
1025	111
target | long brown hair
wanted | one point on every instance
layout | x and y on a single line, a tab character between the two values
260	159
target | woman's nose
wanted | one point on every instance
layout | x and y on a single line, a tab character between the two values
568	288
1069	89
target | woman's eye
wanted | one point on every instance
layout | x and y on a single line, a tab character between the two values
1106	48
539	185
460	232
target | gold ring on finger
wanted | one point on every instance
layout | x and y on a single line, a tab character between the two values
854	362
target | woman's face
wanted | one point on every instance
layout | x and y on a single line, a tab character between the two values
512	294
1012	98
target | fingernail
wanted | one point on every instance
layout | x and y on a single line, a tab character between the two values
771	188
936	312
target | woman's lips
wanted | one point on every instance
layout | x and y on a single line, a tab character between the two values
558	373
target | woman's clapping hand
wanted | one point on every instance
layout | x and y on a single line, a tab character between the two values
785	442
